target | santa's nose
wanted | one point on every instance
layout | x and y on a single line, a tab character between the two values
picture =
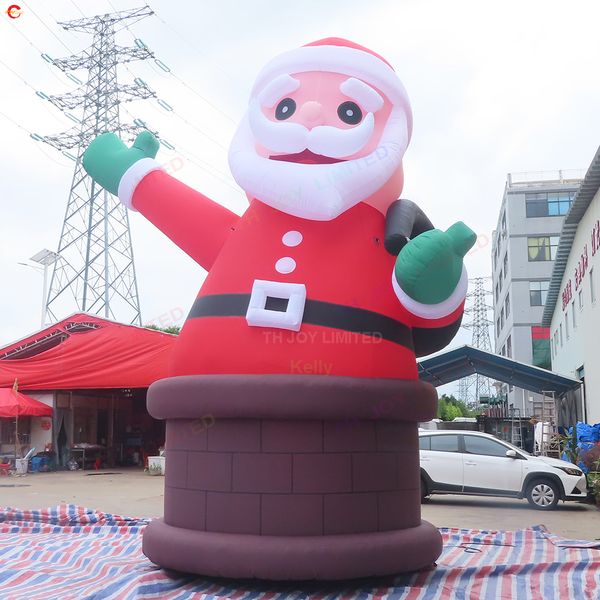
310	113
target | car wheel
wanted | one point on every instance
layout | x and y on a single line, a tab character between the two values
424	490
543	494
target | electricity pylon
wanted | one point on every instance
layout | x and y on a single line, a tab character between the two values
95	272
473	387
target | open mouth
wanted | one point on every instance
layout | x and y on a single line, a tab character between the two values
306	157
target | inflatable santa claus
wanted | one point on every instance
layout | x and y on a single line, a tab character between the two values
292	410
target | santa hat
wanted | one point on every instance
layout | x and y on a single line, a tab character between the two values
337	55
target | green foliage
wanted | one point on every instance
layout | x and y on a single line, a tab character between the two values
450	407
172	329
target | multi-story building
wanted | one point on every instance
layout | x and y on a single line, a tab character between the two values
523	250
572	310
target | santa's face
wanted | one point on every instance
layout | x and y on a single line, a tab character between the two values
314	144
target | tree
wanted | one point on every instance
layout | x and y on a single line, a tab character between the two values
450	407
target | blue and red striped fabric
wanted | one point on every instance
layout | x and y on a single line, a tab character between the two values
70	552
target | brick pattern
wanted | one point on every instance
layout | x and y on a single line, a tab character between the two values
292	478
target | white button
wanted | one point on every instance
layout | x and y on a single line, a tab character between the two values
291	238
285	265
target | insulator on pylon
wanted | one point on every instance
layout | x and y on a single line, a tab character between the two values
72	117
139	81
48	58
167	144
69	155
161	64
37	137
140	43
74	79
165	105
42	95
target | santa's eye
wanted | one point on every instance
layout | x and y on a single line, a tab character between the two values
350	113
285	109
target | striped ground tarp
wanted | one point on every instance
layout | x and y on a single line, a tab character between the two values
70	552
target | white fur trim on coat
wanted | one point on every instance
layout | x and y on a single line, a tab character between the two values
434	311
132	177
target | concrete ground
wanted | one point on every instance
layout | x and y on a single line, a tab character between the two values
133	493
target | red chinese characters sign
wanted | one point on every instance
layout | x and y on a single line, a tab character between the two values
581	268
596	238
567	294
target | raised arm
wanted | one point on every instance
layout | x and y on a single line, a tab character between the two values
197	224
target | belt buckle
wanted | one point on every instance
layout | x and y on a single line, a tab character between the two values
264	293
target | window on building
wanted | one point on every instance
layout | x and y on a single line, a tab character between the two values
498	327
573	314
504	224
505	263
509	347
551	347
507	305
548	204
502	317
497	291
567	326
538	292
592	287
580	296
542	248
560	335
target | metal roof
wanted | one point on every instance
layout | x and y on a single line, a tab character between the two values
583	198
466	360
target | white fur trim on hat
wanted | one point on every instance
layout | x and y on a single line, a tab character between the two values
338	59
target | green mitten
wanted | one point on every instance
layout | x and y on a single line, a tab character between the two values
107	157
429	267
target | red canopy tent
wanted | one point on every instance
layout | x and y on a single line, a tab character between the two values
87	352
14	404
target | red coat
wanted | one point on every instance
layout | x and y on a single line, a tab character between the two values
353	322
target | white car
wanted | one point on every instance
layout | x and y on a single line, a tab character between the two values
468	462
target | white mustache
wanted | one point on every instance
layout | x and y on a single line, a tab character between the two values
291	138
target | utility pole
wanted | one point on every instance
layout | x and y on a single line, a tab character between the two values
473	387
95	272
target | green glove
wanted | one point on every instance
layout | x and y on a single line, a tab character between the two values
107	157
429	267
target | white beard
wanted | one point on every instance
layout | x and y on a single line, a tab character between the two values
319	192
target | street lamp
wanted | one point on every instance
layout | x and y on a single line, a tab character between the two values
46	258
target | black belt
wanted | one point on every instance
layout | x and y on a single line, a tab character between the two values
316	312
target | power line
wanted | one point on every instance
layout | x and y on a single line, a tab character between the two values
33	136
180	36
169	72
46	26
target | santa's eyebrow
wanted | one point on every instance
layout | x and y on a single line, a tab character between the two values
276	89
362	93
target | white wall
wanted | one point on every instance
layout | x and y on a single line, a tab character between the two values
580	348
40	437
